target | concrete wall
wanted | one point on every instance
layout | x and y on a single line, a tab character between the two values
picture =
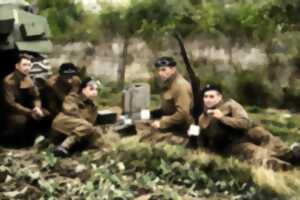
103	60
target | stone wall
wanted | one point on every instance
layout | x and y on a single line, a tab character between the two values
103	60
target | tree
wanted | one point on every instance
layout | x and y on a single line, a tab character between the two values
117	21
68	21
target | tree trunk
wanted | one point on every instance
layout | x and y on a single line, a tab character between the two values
236	68
122	65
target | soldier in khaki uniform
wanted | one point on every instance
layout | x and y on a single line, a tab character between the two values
22	104
227	129
76	120
59	86
176	99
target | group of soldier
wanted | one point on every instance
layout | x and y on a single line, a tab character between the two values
66	106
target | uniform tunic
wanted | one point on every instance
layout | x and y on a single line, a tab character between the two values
176	103
234	134
20	96
76	118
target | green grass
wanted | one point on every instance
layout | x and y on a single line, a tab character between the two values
280	123
126	168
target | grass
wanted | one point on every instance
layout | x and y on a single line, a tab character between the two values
125	168
281	123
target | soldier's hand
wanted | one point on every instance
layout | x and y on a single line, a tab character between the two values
217	114
34	115
155	124
38	112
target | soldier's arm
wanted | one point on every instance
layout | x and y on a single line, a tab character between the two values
37	100
239	118
9	98
70	107
183	103
56	91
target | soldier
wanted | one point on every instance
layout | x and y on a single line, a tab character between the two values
59	86
22	104
227	129
76	120
176	98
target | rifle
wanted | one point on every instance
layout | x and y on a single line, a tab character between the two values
195	82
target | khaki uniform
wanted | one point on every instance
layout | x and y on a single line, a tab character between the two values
76	119
20	96
234	134
56	91
176	103
176	106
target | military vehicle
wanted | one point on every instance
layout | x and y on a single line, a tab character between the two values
22	30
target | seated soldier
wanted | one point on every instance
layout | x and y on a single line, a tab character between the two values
21	103
76	120
59	86
227	129
173	117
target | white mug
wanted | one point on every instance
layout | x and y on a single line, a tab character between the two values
194	130
127	121
145	114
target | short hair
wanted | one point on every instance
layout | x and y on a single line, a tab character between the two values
88	81
165	62
24	56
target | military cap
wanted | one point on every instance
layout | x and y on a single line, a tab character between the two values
68	69
165	61
212	86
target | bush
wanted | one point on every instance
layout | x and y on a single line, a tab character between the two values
253	88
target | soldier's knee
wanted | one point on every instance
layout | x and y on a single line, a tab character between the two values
16	121
259	135
84	129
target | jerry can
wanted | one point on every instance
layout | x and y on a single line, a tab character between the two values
135	99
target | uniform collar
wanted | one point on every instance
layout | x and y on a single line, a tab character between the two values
24	81
85	99
81	96
19	76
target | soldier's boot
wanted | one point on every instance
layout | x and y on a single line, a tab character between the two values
60	151
295	149
291	155
63	150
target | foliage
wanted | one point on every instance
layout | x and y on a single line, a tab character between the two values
68	21
125	168
253	19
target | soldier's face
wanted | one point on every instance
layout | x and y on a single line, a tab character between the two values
165	73
67	79
24	66
211	98
90	91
